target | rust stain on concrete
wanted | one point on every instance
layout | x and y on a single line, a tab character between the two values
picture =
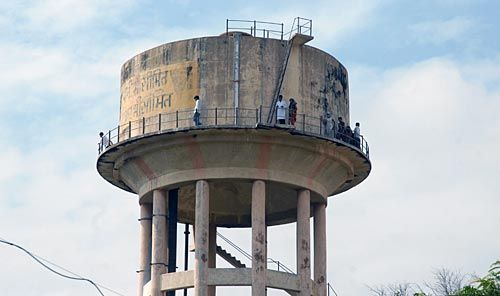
195	153
264	156
145	169
318	166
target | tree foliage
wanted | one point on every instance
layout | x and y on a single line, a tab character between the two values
447	283
488	285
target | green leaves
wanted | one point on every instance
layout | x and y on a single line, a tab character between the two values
448	284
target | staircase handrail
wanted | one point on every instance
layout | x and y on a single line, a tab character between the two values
249	256
279	84
305	28
330	287
235	246
283	266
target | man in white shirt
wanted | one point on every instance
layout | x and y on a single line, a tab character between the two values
105	142
196	111
281	110
357	135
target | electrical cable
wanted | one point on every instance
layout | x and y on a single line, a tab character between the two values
75	274
52	270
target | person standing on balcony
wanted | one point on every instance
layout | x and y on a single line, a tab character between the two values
348	135
281	110
357	135
105	142
330	125
197	109
292	111
341	129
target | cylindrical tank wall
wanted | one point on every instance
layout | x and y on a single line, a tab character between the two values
165	79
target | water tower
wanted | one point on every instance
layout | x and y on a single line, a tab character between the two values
238	167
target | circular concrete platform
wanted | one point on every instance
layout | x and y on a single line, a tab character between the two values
230	158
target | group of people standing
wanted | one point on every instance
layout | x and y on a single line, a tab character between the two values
281	108
330	127
339	130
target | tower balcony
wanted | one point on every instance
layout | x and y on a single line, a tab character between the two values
231	146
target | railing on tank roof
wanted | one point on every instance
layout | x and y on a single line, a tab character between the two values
256	28
230	117
269	29
300	26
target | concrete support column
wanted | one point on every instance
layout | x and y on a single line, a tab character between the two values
159	245
320	248
201	238
173	198
144	272
259	238
304	242
212	253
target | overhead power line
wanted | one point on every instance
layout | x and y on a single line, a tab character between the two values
39	260
75	274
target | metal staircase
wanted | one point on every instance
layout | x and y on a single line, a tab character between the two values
229	258
277	90
300	34
238	264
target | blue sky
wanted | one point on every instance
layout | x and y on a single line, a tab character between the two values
424	83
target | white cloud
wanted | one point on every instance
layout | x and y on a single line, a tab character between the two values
333	21
429	202
442	31
50	71
343	18
56	16
67	215
432	196
432	126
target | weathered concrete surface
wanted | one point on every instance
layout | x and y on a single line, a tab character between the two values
147	289
320	248
230	277
166	78
201	238
231	159
259	257
144	272
177	280
283	280
304	242
159	241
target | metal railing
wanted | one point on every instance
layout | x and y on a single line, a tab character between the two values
300	26
256	28
279	265
269	29
231	117
330	290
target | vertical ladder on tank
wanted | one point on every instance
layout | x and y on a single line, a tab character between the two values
277	91
300	34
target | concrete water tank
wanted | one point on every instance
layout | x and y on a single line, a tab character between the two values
239	168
